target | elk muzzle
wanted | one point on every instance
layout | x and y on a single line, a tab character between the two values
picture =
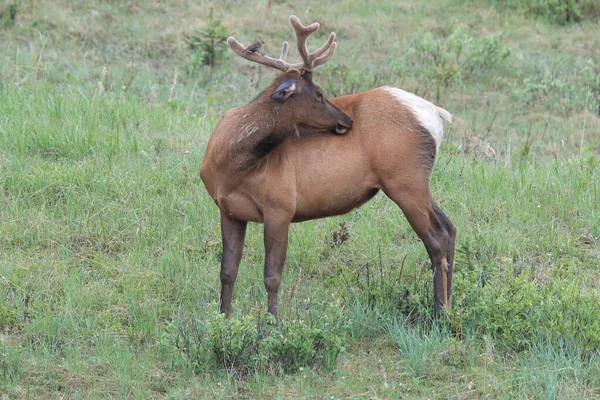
344	123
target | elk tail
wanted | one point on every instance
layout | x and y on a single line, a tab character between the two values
445	114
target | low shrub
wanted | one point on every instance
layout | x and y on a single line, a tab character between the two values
518	311
434	63
8	14
253	343
207	46
441	63
568	89
8	317
560	12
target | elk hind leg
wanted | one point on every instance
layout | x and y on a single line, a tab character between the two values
452	231
435	231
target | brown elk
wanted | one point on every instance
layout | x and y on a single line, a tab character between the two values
276	161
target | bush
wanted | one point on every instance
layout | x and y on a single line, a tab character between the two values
435	63
207	46
440	63
569	90
341	79
560	12
8	317
253	343
518	311
8	14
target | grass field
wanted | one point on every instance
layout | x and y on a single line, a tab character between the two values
110	245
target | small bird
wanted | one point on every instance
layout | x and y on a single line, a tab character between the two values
254	47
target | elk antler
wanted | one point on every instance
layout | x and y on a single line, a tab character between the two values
310	61
279	63
318	57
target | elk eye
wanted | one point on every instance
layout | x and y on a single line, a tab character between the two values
320	96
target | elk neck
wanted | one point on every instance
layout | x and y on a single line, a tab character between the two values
259	128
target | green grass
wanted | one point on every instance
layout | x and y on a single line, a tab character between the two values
110	246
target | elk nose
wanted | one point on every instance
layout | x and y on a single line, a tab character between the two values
347	121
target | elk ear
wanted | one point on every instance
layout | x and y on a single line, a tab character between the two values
284	91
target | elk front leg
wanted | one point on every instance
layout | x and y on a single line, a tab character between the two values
233	232
276	239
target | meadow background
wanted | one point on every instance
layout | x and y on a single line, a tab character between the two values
110	246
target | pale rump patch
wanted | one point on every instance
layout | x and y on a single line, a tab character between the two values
429	115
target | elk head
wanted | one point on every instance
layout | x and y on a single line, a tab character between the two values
302	102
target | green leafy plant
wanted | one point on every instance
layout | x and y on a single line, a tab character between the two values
517	311
560	12
440	63
341	79
8	14
207	45
568	88
435	63
254	343
8	317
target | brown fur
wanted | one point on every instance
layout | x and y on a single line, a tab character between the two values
320	175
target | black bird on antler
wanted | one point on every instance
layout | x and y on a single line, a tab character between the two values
254	47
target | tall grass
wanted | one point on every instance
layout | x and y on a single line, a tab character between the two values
110	246
103	247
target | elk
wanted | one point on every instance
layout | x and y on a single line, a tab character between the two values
291	155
